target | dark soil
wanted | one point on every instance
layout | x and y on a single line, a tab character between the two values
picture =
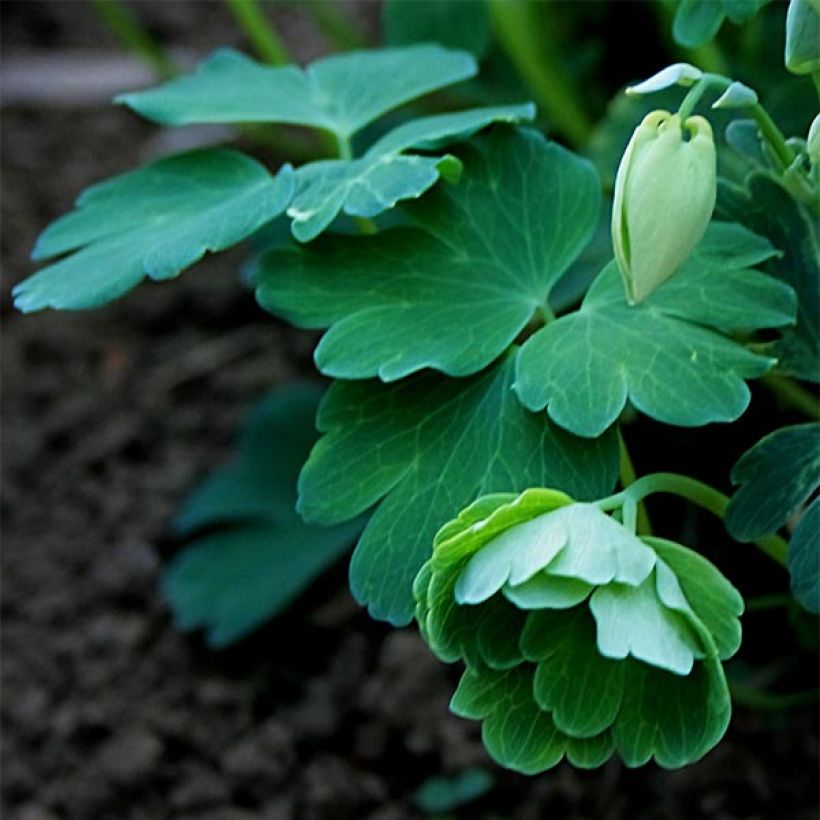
108	419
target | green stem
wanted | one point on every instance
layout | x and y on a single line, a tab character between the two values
258	29
692	98
628	476
771	133
125	25
522	35
698	493
344	148
758	699
336	25
793	395
762	603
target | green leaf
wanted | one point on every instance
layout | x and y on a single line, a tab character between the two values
664	354
443	794
259	484
425	448
765	207
698	21
341	93
257	554
152	222
776	476
385	174
714	600
580	688
516	733
804	558
671	718
803	37
452	23
498	242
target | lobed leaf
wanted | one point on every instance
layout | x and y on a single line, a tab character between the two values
497	244
385	175
665	355
764	206
423	449
341	93
154	222
775	476
804	558
251	554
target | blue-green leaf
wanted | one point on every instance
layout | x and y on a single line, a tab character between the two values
698	21
341	93
775	476
764	206
804	558
453	293
425	448
666	354
154	222
252	554
386	174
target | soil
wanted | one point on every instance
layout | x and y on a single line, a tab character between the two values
109	418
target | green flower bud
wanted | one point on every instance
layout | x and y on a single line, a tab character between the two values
813	141
664	197
580	638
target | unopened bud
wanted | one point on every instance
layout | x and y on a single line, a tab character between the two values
664	197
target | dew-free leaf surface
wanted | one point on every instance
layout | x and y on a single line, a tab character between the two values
153	222
422	450
764	206
251	554
386	174
668	355
341	93
453	293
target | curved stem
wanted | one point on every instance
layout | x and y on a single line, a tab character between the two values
525	39
792	394
692	98
771	133
259	31
698	493
627	475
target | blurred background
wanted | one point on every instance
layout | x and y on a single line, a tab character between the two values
110	417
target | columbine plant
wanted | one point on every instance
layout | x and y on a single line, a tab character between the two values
468	390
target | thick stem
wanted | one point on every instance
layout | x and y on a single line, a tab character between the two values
522	36
628	476
125	25
698	493
258	29
793	395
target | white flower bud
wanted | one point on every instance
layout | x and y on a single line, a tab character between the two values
664	197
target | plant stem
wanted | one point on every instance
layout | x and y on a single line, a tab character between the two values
126	26
793	395
758	699
344	149
771	133
766	602
527	44
335	24
627	475
698	493
258	29
692	98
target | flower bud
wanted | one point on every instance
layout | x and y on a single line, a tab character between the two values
664	197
